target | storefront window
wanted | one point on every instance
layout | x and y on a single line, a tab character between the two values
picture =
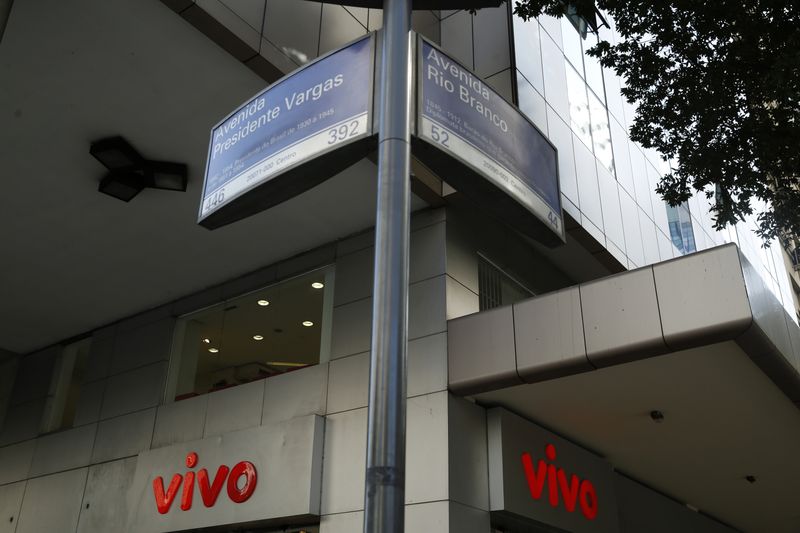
272	331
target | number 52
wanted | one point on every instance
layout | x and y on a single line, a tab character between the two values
440	136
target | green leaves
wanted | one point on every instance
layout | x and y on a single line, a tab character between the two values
717	85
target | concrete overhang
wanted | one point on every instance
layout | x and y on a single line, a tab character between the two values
699	338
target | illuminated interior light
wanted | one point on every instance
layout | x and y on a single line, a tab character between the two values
213	350
317	285
308	323
258	337
207	341
263	303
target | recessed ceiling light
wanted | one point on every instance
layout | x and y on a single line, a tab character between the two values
317	285
213	350
307	323
258	337
207	341
263	303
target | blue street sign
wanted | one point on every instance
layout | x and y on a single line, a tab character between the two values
459	114
315	110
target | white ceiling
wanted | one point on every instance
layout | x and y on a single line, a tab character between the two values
724	420
74	259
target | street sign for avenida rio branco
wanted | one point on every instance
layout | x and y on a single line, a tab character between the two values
319	110
317	121
506	162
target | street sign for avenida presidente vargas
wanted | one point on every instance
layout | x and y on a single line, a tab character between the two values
460	116
318	121
323	109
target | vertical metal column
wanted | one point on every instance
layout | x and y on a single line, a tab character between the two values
384	500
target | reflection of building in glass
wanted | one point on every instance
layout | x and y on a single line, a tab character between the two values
138	347
680	228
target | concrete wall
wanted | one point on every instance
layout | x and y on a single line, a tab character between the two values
77	479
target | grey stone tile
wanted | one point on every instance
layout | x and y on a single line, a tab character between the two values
134	390
105	504
124	436
142	345
62	492
10	503
180	421
298	393
15	461
234	408
64	450
90	400
348	384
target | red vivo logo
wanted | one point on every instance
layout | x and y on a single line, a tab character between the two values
208	491
574	491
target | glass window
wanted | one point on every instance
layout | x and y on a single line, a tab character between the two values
680	228
528	51
594	75
496	288
578	107
265	333
531	103
601	134
572	45
588	113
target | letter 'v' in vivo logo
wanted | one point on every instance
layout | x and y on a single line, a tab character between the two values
210	489
574	491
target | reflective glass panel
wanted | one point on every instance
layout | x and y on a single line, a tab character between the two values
578	107
601	134
680	228
572	45
594	75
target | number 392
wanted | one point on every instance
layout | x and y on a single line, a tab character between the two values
343	132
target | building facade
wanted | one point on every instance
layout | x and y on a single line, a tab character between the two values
644	376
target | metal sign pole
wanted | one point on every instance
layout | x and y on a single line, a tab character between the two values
384	500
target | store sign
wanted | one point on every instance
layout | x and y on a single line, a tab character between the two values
570	492
315	111
238	492
265	475
508	162
537	477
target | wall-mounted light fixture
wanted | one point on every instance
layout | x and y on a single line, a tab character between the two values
129	172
